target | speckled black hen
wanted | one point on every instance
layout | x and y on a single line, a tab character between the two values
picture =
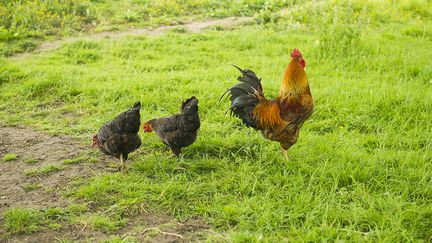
178	130
119	137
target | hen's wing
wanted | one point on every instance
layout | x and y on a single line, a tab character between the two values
112	137
167	128
122	144
128	121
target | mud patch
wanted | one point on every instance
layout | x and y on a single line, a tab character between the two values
35	151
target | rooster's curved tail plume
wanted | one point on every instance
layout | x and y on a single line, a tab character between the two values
245	96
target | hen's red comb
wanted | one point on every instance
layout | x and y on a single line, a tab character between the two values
296	53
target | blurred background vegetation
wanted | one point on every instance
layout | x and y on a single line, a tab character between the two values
25	22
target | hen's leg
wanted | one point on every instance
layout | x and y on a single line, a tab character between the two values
285	153
176	151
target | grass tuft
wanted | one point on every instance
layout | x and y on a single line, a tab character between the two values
9	157
79	160
27	220
43	171
32	186
21	220
31	161
102	222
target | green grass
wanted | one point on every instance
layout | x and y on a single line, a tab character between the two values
102	222
119	239
361	170
44	170
79	160
9	157
26	221
22	220
32	186
31	161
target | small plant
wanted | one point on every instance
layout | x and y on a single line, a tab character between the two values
79	160
218	28
131	16
73	161
102	222
30	161
26	220
32	186
22	220
179	30
44	170
9	157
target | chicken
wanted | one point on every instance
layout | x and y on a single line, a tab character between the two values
178	130
278	119
119	137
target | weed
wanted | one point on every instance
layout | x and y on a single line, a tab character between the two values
32	186
25	220
9	157
102	222
43	171
78	160
31	161
20	220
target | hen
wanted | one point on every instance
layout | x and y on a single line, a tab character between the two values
278	119
119	137
178	130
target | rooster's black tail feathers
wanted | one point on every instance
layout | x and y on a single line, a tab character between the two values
245	95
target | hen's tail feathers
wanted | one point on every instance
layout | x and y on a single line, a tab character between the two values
136	106
128	121
184	103
189	118
245	95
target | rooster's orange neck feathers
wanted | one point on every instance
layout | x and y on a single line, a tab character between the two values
294	82
293	89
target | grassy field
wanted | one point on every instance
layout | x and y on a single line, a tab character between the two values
361	170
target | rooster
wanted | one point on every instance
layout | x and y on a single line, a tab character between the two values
278	119
119	137
178	130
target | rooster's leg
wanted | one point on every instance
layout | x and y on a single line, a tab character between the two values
285	153
122	164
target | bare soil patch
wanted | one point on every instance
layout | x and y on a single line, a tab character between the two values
44	150
144	228
36	150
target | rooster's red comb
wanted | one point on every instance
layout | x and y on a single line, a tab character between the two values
296	53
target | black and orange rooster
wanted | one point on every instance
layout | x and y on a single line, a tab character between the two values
119	137
178	130
278	119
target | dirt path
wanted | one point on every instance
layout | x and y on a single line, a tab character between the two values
192	27
20	188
